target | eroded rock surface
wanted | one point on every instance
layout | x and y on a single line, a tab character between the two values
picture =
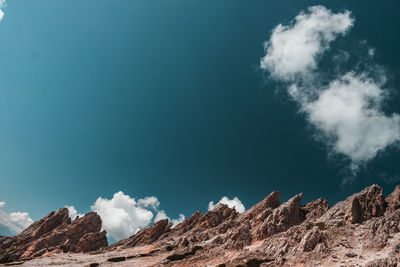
363	230
54	233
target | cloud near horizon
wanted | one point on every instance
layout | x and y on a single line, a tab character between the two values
123	216
231	203
344	109
14	222
2	5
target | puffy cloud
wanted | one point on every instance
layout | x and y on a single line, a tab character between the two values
123	216
349	114
2	204
21	218
14	222
231	203
149	202
73	214
345	108
2	5
294	49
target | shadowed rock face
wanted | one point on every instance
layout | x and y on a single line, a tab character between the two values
55	232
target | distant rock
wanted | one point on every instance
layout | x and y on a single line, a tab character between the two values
54	233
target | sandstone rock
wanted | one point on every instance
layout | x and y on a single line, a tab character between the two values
311	239
55	232
146	236
393	200
188	224
358	208
282	218
270	202
357	231
316	209
221	213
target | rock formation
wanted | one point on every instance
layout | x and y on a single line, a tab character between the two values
363	230
53	233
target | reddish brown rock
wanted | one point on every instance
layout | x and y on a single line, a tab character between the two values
188	224
316	209
358	208
363	230
282	218
55	232
270	202
311	239
393	200
221	213
146	236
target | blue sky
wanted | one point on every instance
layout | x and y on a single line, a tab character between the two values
168	99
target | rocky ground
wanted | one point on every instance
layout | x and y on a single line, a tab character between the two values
362	230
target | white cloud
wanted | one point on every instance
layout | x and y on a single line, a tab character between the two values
349	114
231	203
123	216
2	204
2	5
73	214
15	222
21	218
149	202
347	110
294	49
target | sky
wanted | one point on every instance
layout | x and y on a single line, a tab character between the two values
144	110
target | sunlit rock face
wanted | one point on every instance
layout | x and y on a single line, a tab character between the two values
362	230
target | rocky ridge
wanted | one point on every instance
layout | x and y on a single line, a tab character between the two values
363	230
52	234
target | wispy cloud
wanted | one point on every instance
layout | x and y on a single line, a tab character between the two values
345	107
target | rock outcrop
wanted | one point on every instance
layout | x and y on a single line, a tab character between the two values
363	230
358	208
146	236
54	233
393	200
